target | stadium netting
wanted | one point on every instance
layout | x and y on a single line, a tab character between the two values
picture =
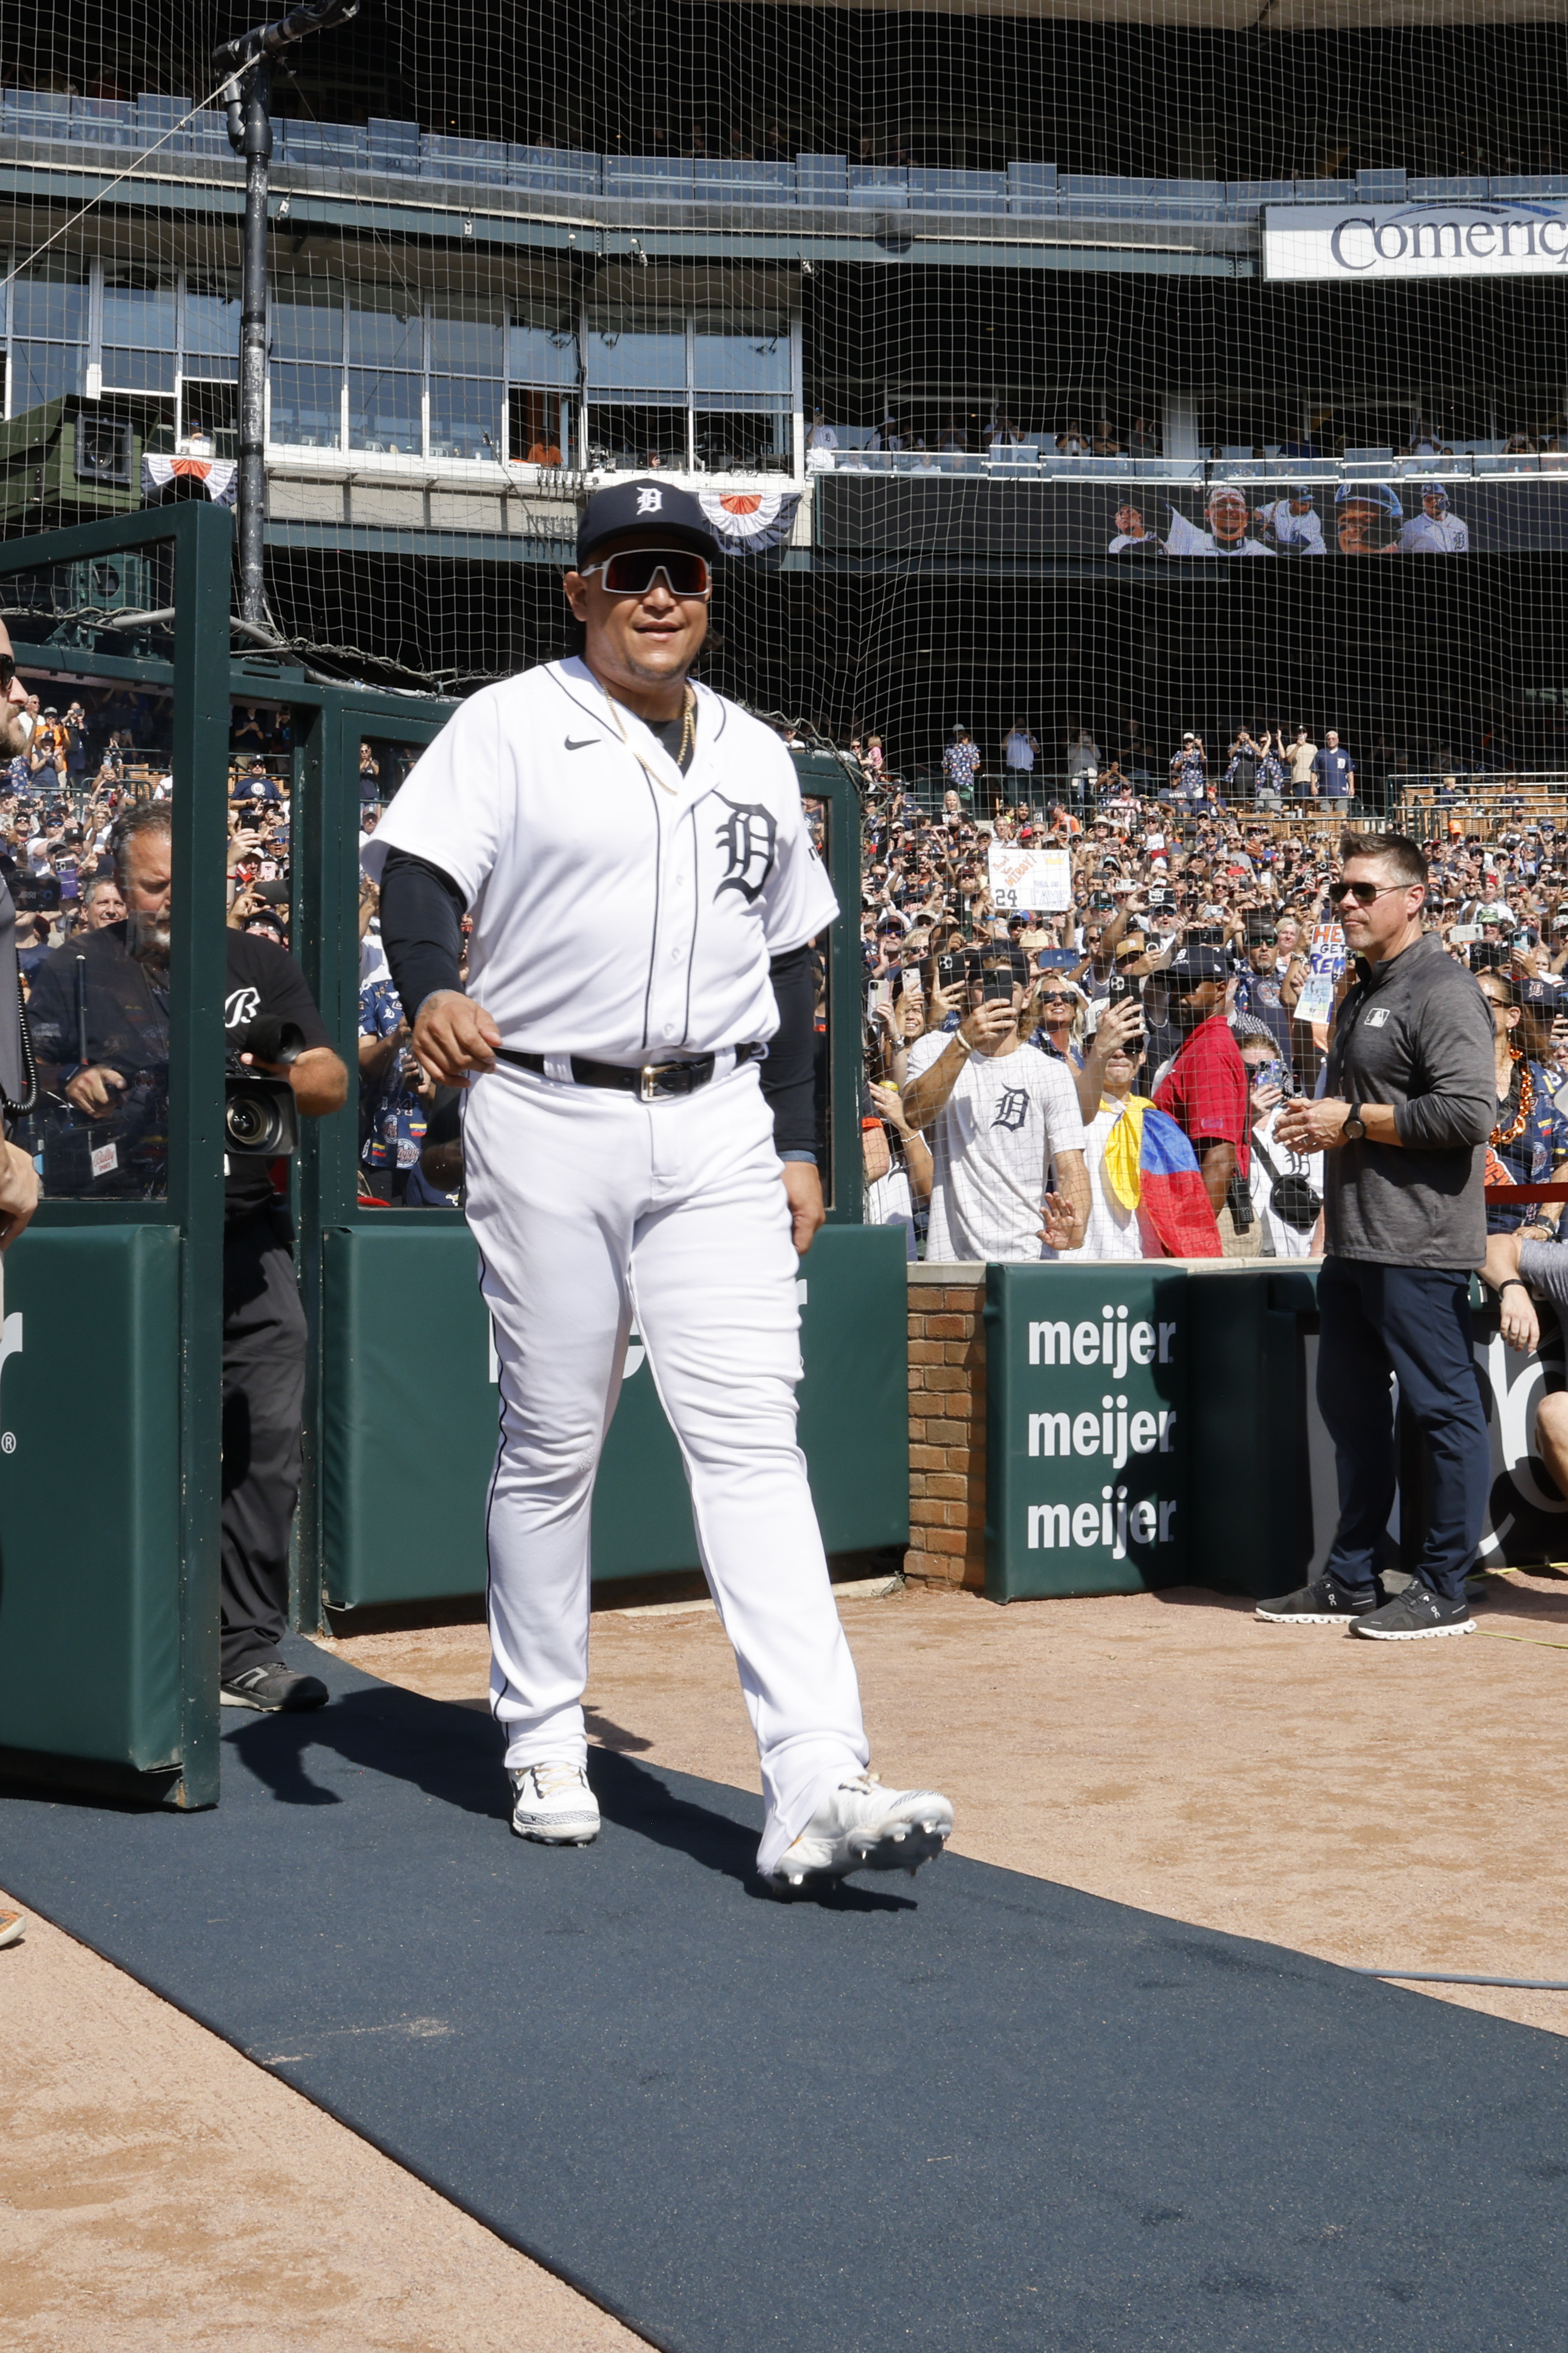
970	325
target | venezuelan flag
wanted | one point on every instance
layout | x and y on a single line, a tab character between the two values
1150	1165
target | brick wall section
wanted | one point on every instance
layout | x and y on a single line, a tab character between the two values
947	1426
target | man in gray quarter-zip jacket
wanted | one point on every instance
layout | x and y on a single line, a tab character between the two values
1409	1102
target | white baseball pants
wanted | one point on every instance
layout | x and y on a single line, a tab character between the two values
593	1210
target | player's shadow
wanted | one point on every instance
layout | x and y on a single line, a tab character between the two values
446	1751
454	1755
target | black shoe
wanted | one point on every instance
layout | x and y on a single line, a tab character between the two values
1415	1616
273	1688
1321	1603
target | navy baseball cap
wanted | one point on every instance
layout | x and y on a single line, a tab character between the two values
1192	965
645	505
1542	996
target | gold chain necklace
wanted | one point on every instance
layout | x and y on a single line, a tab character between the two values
687	733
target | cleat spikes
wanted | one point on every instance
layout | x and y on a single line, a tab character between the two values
860	1826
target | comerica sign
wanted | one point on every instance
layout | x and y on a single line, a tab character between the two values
1470	237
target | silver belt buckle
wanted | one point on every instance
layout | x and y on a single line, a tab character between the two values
648	1080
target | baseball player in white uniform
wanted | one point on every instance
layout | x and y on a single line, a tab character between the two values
1435	531
633	854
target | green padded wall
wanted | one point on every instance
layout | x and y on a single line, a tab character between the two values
408	1443
90	1494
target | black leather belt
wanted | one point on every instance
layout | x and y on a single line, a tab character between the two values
650	1082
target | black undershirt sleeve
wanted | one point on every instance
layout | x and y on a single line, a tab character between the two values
788	1076
422	911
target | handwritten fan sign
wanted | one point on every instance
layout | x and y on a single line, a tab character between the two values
1039	880
1325	962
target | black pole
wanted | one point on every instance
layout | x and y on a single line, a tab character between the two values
248	101
249	115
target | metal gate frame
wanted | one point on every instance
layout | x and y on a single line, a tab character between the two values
198	676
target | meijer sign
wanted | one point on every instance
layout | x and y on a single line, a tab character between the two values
1087	1455
1467	238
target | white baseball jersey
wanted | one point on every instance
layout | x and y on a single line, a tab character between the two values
622	911
1292	529
1188	538
1442	534
991	1147
1278	1240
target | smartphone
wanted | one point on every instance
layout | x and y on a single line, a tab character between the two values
997	986
949	971
1465	934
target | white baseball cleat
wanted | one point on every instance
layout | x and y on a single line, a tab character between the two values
860	1826
552	1803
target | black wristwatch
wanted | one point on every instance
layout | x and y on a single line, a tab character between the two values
1353	1130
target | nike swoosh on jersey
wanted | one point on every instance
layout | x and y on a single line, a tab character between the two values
584	743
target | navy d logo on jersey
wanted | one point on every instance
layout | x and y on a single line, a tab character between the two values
1012	1109
748	838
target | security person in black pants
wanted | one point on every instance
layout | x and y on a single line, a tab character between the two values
113	985
1410	1101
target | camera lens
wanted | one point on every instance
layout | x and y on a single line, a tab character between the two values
249	1123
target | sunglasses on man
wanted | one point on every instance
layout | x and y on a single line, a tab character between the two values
632	571
1364	893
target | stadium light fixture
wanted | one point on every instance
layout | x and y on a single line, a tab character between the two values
247	100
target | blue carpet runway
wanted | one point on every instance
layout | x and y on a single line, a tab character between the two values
971	2112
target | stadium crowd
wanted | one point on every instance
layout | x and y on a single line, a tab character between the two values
1121	1060
1184	995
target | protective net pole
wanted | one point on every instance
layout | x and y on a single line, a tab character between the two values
254	144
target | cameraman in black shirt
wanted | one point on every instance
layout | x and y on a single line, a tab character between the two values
113	985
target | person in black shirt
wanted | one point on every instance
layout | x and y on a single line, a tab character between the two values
115	982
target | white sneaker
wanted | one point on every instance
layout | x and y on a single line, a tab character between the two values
860	1826
552	1803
